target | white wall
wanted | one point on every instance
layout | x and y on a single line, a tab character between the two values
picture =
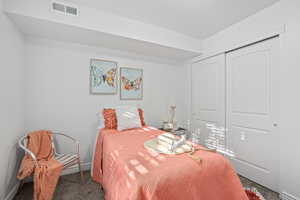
11	101
272	20
57	89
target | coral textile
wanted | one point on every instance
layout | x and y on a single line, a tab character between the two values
128	171
47	173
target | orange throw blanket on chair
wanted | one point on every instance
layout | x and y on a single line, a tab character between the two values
47	171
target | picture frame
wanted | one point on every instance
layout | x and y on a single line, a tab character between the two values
131	83
103	77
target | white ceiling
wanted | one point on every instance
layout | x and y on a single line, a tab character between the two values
198	18
63	32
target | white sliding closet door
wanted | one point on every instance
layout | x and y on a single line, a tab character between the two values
252	111
208	94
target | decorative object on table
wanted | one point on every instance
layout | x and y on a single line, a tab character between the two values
171	124
167	126
131	81
103	77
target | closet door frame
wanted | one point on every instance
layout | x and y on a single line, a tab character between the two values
217	114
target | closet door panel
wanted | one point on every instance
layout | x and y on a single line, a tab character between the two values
252	111
208	94
250	82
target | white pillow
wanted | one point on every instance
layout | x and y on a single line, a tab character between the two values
128	117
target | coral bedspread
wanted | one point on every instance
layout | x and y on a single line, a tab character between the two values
128	171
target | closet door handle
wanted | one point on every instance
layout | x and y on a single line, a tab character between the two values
275	124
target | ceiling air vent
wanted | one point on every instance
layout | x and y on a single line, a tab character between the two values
64	8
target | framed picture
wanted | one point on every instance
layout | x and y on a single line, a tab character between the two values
131	84
103	77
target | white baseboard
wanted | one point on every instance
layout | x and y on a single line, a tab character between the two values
286	196
74	169
12	193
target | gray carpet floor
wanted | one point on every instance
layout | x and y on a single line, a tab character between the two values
71	188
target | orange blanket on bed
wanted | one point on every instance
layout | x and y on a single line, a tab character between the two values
48	171
128	171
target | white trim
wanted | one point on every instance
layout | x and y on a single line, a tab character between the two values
208	56
287	196
278	31
74	169
12	192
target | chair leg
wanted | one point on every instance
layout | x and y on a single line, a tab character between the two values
80	170
21	185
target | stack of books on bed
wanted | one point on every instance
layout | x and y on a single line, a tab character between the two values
168	142
165	142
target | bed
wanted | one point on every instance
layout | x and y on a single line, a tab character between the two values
128	171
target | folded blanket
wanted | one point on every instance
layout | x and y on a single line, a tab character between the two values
167	137
47	171
164	144
168	141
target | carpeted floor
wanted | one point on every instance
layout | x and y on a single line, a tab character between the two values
267	194
71	188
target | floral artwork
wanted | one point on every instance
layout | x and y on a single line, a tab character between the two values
103	77
131	84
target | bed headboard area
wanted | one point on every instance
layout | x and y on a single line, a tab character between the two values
101	120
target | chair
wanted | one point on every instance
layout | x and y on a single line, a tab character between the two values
68	160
